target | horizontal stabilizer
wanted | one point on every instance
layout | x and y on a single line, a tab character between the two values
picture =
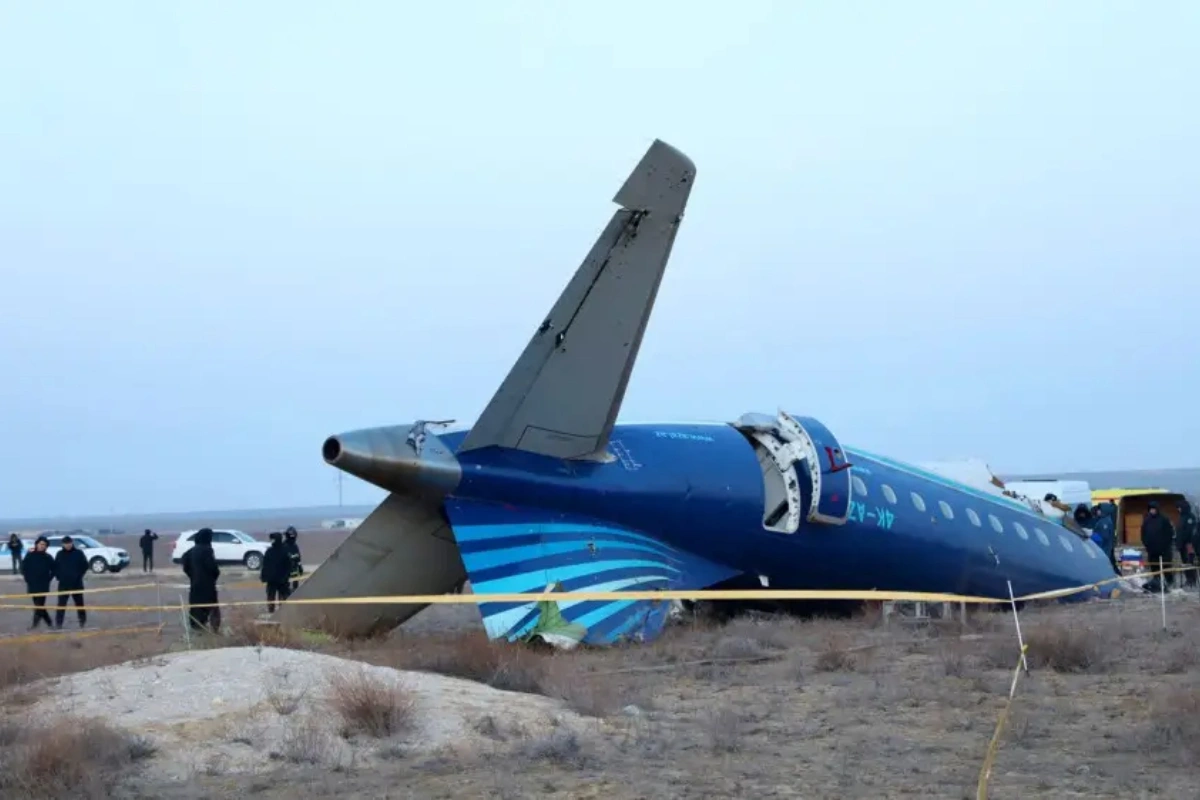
403	548
527	550
562	396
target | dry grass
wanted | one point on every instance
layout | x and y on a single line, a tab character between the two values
369	706
1174	726
81	759
1065	647
284	698
21	664
848	707
306	742
472	656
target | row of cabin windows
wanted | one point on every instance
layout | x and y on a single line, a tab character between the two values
860	488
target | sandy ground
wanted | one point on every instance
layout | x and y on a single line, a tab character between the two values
278	704
773	707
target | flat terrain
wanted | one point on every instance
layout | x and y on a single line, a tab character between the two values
167	584
770	707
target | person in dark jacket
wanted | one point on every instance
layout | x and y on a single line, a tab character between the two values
16	549
200	565
293	550
1104	531
276	569
1158	535
1185	540
70	565
147	545
38	570
1083	516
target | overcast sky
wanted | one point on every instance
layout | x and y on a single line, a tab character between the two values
227	230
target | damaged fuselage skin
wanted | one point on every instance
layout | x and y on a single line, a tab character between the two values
546	490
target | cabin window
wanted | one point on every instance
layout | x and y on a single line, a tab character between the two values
971	515
947	511
1024	534
1066	543
860	488
1042	537
918	501
997	525
888	493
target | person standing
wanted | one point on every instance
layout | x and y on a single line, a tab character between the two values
200	565
276	569
1104	531
16	549
70	565
1185	540
1158	535
297	563
38	570
147	543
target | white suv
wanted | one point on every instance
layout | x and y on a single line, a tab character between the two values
229	547
101	558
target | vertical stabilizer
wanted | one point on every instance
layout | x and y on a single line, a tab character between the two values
562	396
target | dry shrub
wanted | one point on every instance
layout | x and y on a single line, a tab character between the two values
21	664
1066	648
584	693
306	742
738	648
509	667
561	747
370	706
725	730
1179	657
514	668
757	635
1174	728
68	758
281	696
835	655
955	661
246	630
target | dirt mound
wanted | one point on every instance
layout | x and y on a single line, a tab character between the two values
240	709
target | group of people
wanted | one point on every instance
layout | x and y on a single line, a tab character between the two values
68	566
1161	540
1159	536
282	566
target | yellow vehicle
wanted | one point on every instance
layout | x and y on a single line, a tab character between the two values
1131	510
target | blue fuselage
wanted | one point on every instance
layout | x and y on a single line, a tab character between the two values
699	488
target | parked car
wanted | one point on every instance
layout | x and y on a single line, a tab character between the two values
101	558
229	547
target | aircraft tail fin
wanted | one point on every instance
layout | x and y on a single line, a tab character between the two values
562	396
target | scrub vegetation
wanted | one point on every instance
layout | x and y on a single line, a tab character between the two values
756	706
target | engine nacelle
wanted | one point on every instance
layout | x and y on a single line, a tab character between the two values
398	458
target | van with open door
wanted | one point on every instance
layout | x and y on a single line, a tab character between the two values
1131	510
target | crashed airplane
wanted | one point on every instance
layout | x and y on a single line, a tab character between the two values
547	491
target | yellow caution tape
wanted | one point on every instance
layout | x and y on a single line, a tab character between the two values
128	588
651	595
989	760
81	591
